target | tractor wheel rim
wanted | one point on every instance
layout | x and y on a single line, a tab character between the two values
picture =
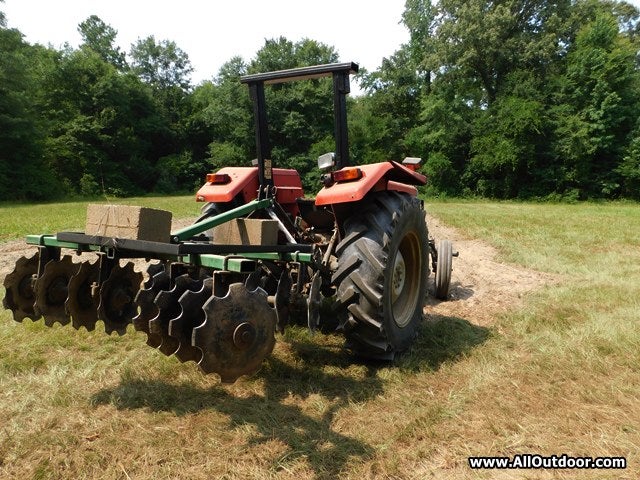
405	279
399	276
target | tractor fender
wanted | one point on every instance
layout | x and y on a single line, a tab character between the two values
375	177
244	180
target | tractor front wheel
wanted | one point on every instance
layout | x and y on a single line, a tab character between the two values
382	275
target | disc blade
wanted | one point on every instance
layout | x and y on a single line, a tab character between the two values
237	334
191	316
51	290
168	305
147	309
117	293
19	296
81	304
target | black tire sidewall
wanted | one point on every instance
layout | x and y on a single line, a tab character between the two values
412	220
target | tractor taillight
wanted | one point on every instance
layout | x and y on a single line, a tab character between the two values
218	178
347	175
412	163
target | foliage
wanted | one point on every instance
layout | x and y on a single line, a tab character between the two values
515	98
100	37
21	128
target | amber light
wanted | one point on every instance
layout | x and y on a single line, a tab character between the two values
218	178
347	175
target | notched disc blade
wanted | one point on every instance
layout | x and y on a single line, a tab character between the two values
52	288
168	305
152	270
191	316
19	296
117	307
81	304
237	334
147	308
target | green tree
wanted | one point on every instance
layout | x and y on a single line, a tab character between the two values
162	64
105	126
167	70
597	108
22	172
220	127
393	98
483	42
100	37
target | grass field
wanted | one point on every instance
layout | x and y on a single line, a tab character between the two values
19	219
560	375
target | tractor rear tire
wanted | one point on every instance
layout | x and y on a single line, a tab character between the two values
382	275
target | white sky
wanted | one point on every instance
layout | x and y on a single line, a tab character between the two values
210	32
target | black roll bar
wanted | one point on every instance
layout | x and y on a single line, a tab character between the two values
341	87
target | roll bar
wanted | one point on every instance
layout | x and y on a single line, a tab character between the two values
341	87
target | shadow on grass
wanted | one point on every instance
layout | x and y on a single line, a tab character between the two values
443	339
327	451
310	369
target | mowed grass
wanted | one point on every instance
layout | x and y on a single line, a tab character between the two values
20	219
559	375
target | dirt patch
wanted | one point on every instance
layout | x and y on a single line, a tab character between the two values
481	286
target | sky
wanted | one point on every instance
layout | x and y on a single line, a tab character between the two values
211	32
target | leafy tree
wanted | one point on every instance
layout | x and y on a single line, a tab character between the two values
22	172
597	107
167	70
482	42
220	128
507	141
104	124
162	65
442	137
100	37
394	93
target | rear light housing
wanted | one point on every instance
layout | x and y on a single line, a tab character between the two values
412	163
218	178
347	175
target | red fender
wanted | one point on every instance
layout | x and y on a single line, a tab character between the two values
244	181
375	177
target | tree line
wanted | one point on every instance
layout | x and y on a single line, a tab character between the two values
506	99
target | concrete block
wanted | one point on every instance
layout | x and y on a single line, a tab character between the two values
246	231
122	221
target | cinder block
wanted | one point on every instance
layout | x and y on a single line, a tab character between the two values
246	231
122	221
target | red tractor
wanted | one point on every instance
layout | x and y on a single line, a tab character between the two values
260	254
